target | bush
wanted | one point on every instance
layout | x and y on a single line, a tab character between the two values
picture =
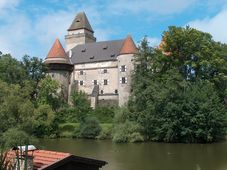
90	128
106	132
127	132
104	114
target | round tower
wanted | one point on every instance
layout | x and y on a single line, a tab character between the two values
125	68
59	67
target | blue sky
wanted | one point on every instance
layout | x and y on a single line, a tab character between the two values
31	26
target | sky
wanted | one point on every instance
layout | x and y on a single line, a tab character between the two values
31	26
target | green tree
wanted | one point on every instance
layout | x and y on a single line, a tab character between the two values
48	93
178	88
11	70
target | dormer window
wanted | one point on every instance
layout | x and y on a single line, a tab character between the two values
92	57
83	50
112	55
77	20
104	47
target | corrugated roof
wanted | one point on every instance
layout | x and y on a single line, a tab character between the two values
80	22
96	52
44	158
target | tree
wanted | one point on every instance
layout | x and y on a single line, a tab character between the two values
11	70
48	93
178	88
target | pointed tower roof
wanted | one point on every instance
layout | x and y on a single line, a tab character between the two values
80	22
128	46
57	54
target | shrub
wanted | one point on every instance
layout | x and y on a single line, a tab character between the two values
106	132
127	132
104	114
90	128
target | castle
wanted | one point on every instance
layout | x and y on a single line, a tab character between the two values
100	69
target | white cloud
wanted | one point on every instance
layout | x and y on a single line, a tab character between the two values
8	3
150	6
154	41
216	26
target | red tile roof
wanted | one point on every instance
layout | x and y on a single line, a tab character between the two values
129	46
57	51
43	157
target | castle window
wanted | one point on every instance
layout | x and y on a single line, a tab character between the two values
105	82
81	72
105	71
116	91
81	83
123	68
123	80
95	82
101	91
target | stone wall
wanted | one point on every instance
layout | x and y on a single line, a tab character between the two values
124	89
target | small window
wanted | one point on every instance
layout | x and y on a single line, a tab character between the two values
105	71
95	82
92	57
105	82
81	83
116	91
81	72
112	55
101	91
123	68
83	50
123	80
104	47
52	75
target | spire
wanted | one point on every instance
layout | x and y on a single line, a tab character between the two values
80	22
57	54
129	46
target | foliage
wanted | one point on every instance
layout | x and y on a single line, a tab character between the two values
178	88
81	106
44	122
11	70
90	128
104	114
48	93
126	130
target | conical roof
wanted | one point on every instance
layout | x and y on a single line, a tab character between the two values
80	22
129	46
57	54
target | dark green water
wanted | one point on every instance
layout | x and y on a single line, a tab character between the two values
146	156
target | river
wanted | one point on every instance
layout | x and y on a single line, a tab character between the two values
145	156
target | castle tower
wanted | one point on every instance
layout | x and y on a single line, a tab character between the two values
80	32
60	67
125	68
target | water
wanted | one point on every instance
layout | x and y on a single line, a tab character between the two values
145	156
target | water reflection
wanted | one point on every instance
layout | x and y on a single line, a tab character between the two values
146	156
